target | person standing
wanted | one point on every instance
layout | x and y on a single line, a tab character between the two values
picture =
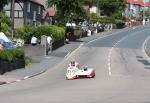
49	44
1	46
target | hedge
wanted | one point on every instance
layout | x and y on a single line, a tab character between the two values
11	59
11	54
120	23
101	19
26	32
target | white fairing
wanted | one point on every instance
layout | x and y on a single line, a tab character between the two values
82	72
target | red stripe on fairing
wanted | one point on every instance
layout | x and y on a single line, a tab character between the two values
92	74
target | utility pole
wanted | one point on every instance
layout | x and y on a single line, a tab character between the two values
12	16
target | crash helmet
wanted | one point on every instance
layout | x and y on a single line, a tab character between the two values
85	68
72	62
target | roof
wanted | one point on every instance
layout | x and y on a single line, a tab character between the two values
37	2
139	2
50	12
34	1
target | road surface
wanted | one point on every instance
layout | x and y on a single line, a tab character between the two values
122	74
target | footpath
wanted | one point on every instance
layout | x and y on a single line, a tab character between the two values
46	62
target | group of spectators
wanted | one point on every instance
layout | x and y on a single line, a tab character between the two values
88	28
48	43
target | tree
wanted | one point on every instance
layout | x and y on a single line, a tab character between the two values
66	9
4	22
2	16
3	3
110	7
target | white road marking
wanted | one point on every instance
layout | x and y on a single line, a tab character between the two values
26	77
71	53
110	52
104	36
144	48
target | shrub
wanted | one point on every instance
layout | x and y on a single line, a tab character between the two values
120	23
25	33
57	33
4	23
6	55
5	28
11	54
101	19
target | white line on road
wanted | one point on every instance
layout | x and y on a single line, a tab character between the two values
71	53
117	43
144	48
110	53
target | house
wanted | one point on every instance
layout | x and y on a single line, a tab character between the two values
49	14
26	12
135	7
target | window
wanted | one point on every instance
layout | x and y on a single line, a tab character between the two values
28	7
34	15
39	9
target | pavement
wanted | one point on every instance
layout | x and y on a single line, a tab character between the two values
44	63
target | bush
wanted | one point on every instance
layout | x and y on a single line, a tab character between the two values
57	33
25	33
120	23
11	54
4	23
6	55
11	59
101	19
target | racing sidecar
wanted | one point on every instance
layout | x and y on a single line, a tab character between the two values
75	73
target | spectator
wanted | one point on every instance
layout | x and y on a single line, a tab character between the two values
34	41
48	45
89	32
1	46
68	24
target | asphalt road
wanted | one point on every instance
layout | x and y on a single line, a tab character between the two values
122	74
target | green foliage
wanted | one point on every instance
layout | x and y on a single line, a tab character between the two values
42	30
101	19
28	61
25	33
18	53
5	28
55	32
109	7
6	55
4	23
67	9
3	3
120	23
11	54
